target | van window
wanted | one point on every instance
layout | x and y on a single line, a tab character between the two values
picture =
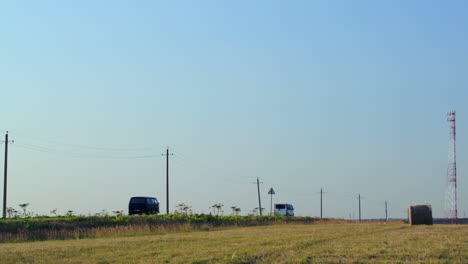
151	201
280	206
138	201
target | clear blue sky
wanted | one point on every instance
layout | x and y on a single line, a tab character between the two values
346	95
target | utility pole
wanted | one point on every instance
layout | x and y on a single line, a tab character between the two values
167	178
359	197
259	201
386	215
5	175
321	204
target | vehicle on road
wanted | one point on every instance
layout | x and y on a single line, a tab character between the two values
143	205
284	209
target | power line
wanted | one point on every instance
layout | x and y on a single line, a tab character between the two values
178	161
99	148
77	154
179	154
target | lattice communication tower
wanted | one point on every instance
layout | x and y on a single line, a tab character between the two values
451	187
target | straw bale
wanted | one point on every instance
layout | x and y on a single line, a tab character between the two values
420	215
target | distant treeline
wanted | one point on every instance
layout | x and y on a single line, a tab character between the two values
77	227
461	221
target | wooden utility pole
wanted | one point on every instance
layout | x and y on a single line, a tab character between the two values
5	175
167	178
321	203
259	201
386	215
359	197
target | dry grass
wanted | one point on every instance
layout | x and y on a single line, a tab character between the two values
100	232
286	243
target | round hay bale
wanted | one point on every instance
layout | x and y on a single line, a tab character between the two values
420	215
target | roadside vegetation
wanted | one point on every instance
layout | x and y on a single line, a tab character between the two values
78	227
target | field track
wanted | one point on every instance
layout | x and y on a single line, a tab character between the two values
281	243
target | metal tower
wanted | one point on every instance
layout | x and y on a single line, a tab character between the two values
451	188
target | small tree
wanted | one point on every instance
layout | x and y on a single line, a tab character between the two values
118	213
12	212
256	210
182	208
24	206
54	212
235	210
217	208
102	213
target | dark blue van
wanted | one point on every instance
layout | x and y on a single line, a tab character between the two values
143	205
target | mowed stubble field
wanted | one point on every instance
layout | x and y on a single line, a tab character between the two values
280	243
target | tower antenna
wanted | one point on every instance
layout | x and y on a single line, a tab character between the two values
451	186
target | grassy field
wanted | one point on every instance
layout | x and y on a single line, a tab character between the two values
280	243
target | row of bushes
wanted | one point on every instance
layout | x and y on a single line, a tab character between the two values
44	228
